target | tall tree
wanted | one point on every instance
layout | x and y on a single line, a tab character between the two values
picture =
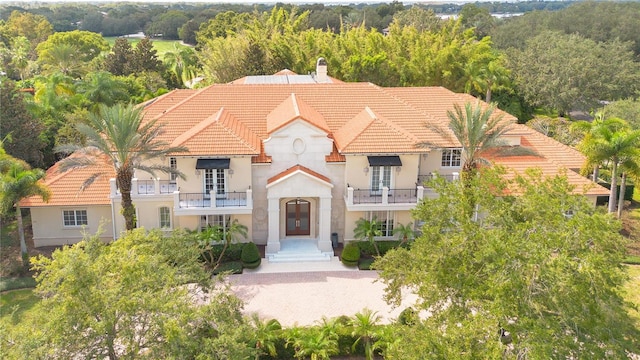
127	300
19	129
552	281
566	72
130	144
183	62
478	131
118	61
71	51
612	142
365	329
19	181
145	57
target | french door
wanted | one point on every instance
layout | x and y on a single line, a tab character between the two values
298	217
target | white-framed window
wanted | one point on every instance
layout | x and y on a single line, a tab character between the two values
173	164
386	220
380	177
74	217
217	178
451	157
214	220
164	217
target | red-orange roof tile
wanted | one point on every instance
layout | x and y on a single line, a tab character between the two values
66	187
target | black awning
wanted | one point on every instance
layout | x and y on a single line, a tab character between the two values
213	163
384	161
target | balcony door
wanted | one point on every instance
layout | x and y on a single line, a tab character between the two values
298	217
380	177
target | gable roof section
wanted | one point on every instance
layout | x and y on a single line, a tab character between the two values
220	134
293	109
66	187
297	169
368	131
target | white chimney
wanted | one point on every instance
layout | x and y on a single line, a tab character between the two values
321	71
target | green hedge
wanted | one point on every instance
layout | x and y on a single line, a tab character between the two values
383	245
17	283
233	253
233	267
365	264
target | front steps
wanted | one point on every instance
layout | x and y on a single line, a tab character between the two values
299	250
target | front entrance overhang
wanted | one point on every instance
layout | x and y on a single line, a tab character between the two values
299	182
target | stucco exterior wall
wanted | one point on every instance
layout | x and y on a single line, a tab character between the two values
49	229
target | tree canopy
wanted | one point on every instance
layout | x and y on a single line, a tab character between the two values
130	299
541	264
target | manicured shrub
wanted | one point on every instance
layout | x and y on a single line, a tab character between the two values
350	254
16	283
232	267
250	255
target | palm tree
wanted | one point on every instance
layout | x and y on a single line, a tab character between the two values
404	233
18	181
229	234
368	229
612	142
119	133
267	334
101	87
629	166
315	343
183	62
478	131
364	326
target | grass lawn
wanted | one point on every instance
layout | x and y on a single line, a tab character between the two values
632	289
15	305
161	46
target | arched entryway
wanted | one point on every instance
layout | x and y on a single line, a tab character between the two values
298	215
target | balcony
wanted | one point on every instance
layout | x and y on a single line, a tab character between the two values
232	202
422	179
146	188
385	199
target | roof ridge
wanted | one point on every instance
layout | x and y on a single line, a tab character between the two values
356	121
195	130
224	122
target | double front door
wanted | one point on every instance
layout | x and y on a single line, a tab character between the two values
298	217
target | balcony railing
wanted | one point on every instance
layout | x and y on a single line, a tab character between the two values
422	179
203	200
146	187
385	197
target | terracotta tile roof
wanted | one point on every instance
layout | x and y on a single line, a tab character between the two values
293	109
297	168
551	169
335	156
220	134
553	150
66	187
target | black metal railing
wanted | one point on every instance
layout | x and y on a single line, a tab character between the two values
233	198
196	200
403	196
367	196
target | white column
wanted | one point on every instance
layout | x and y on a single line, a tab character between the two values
156	186
420	193
113	188
273	239
349	195
385	195
212	197
134	186
250	198
324	224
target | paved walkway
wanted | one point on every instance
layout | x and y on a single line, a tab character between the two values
306	292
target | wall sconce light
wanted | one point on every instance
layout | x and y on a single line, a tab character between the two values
398	168
230	171
197	172
366	169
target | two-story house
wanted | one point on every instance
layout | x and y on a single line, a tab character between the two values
290	157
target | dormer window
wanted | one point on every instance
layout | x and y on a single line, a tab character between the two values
451	157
